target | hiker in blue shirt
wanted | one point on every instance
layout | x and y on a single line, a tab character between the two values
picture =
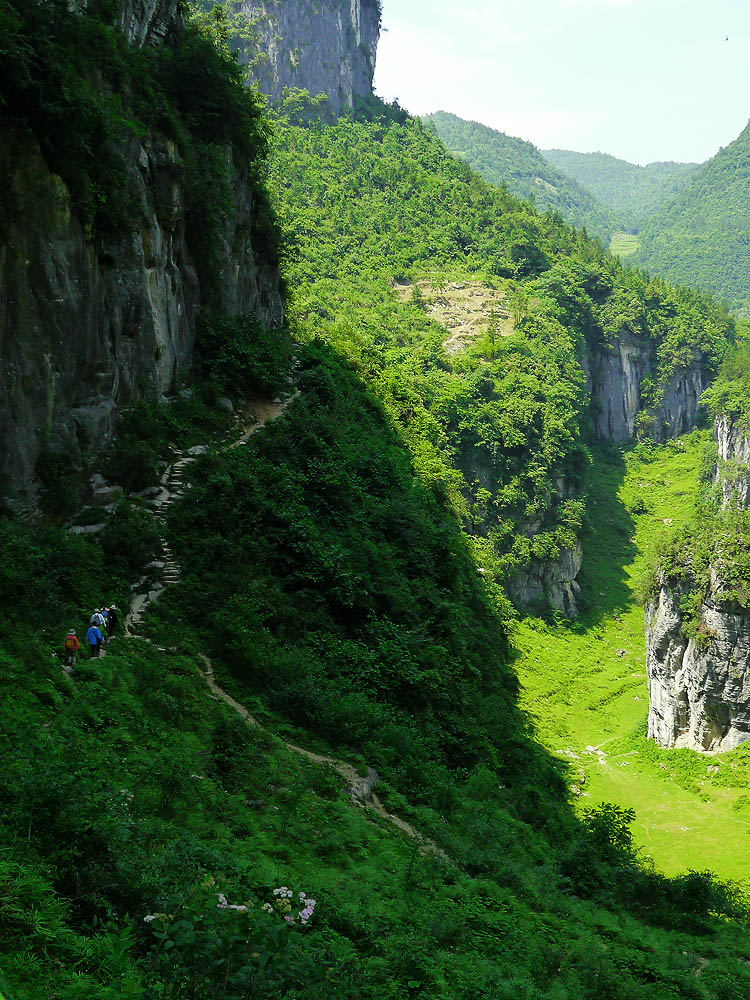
94	639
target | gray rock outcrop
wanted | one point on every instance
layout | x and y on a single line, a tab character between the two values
552	582
148	21
327	47
615	373
732	473
699	689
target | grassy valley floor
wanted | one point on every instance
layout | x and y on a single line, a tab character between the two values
585	686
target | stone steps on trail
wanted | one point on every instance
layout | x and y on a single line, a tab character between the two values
86	529
158	499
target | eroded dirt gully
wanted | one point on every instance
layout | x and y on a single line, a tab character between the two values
257	413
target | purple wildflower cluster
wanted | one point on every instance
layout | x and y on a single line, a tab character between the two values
283	903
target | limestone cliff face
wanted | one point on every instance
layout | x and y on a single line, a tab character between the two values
732	472
88	323
325	47
699	692
143	21
615	373
148	21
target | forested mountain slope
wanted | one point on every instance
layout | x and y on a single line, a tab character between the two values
344	570
701	236
591	345
521	167
631	192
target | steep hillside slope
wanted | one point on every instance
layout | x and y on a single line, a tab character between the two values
631	192
116	232
701	236
521	167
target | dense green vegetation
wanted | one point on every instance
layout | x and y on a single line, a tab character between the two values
128	792
730	392
701	236
520	167
371	207
630	192
330	571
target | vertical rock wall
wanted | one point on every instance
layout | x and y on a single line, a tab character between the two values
89	324
615	373
699	690
148	21
732	472
552	582
324	47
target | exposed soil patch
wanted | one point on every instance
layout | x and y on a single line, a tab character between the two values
463	308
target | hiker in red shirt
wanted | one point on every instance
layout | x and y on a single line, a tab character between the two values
71	648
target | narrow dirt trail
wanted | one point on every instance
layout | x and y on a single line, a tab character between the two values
360	788
171	487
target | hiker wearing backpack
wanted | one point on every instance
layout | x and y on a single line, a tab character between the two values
112	621
94	639
71	648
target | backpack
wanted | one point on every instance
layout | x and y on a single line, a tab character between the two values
70	643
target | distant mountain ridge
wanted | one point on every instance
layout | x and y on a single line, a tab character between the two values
701	236
633	193
521	167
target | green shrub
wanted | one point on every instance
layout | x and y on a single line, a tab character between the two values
242	356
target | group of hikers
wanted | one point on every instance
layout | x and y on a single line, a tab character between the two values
102	626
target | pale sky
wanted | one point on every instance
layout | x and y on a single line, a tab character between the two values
642	79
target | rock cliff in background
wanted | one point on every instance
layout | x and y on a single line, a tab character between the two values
732	472
699	689
615	373
327	47
89	323
552	583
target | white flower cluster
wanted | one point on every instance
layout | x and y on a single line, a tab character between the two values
224	905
